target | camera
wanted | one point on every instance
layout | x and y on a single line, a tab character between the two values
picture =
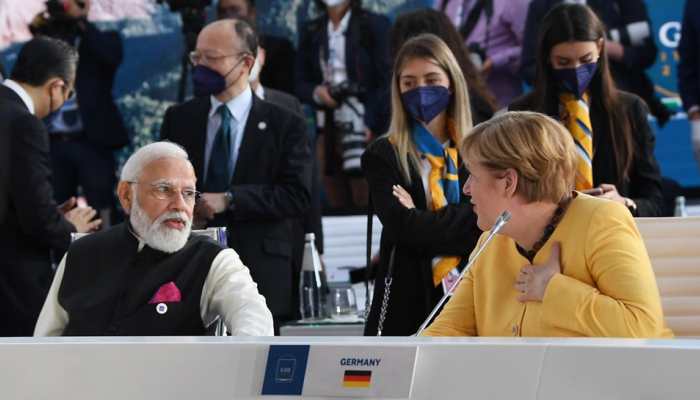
55	22
194	17
345	89
349	125
193	14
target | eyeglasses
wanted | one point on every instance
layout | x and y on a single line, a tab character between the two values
166	191
197	57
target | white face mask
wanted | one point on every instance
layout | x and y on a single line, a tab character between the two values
333	3
255	71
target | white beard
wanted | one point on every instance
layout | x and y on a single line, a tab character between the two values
156	234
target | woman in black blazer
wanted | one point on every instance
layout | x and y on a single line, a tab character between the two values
426	218
572	61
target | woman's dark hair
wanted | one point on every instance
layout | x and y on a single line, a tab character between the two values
44	58
427	20
578	23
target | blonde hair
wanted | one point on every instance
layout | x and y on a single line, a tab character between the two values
537	147
430	47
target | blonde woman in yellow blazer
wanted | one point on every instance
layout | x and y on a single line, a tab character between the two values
567	264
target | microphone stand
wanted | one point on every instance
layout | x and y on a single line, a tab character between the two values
500	222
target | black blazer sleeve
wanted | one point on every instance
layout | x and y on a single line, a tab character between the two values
438	232
306	77
106	47
165	127
528	63
642	56
645	177
32	194
289	195
688	68
375	119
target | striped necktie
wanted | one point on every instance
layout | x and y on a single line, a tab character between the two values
577	119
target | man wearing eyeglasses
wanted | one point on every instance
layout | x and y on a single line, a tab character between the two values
33	225
149	276
251	158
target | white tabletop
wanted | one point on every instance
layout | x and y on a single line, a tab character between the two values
232	368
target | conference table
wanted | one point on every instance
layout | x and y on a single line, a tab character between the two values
178	368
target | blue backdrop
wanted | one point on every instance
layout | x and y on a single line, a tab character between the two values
673	147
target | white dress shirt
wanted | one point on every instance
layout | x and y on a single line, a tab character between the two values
26	99
337	70
229	292
239	107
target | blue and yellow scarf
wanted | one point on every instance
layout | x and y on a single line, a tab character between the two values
443	180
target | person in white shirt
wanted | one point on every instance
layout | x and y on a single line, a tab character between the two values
149	276
343	70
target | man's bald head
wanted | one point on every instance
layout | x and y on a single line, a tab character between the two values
229	35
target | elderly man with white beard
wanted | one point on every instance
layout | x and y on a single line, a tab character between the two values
149	276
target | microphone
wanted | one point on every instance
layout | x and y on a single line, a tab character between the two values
500	222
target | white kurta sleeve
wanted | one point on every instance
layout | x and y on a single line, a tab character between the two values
230	293
53	318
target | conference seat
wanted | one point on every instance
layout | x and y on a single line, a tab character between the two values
673	245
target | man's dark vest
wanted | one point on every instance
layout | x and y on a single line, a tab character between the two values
107	285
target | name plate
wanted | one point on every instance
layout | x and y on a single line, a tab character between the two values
340	371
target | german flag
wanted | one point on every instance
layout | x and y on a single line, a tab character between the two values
357	379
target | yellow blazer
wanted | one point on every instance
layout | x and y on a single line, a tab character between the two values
607	287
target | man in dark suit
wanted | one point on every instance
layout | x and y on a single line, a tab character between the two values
689	70
41	81
279	74
86	130
251	158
